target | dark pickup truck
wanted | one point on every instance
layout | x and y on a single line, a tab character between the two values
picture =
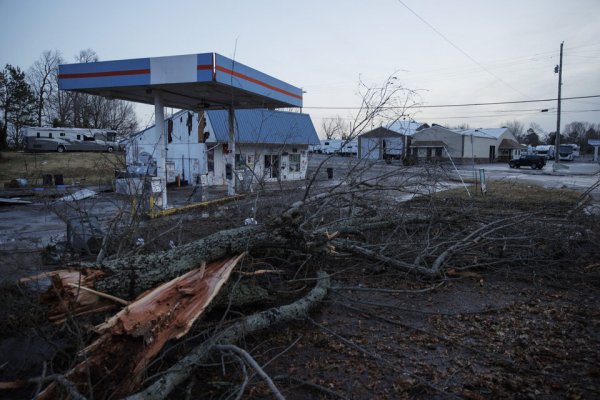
531	160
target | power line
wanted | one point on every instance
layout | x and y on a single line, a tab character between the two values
455	105
461	50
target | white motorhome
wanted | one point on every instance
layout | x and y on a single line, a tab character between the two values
41	139
349	148
331	146
545	150
568	152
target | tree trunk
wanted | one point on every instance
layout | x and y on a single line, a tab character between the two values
131	276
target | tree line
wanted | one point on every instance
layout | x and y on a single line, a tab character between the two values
576	132
32	98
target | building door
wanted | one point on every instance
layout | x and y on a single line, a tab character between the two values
429	153
272	165
492	153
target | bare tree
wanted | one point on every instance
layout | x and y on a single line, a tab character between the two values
335	128
462	125
41	78
80	110
516	128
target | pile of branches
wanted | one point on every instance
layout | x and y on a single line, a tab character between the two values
361	221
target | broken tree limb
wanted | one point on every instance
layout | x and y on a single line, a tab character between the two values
355	248
473	238
134	336
181	370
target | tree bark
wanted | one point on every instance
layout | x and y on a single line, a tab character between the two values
131	276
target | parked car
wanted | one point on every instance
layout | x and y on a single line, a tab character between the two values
532	160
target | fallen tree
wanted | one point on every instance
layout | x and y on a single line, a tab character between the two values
434	236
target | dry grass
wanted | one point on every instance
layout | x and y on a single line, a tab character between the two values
504	195
90	168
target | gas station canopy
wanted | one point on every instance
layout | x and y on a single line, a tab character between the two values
194	81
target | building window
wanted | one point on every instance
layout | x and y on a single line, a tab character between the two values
244	160
250	161
294	161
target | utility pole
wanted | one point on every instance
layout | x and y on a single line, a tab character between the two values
558	69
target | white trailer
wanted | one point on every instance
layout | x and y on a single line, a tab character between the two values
331	146
568	152
42	139
546	150
349	148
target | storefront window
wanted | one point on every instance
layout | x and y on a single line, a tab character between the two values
294	161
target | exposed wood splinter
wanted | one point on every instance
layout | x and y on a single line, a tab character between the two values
134	336
100	294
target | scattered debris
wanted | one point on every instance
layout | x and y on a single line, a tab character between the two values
78	195
18	183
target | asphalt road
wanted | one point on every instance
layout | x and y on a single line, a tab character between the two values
577	176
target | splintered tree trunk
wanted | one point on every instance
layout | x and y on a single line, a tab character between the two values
115	363
128	277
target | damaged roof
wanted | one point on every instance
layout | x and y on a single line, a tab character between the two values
261	126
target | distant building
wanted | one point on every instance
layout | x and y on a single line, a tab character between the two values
507	146
388	142
270	145
463	145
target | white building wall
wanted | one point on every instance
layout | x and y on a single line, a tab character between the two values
292	164
185	152
191	157
394	146
369	148
451	139
478	147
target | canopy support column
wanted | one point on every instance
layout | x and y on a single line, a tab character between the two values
160	153
230	161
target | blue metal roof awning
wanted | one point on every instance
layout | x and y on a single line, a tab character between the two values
206	80
265	126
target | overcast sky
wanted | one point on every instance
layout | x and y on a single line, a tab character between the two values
451	52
